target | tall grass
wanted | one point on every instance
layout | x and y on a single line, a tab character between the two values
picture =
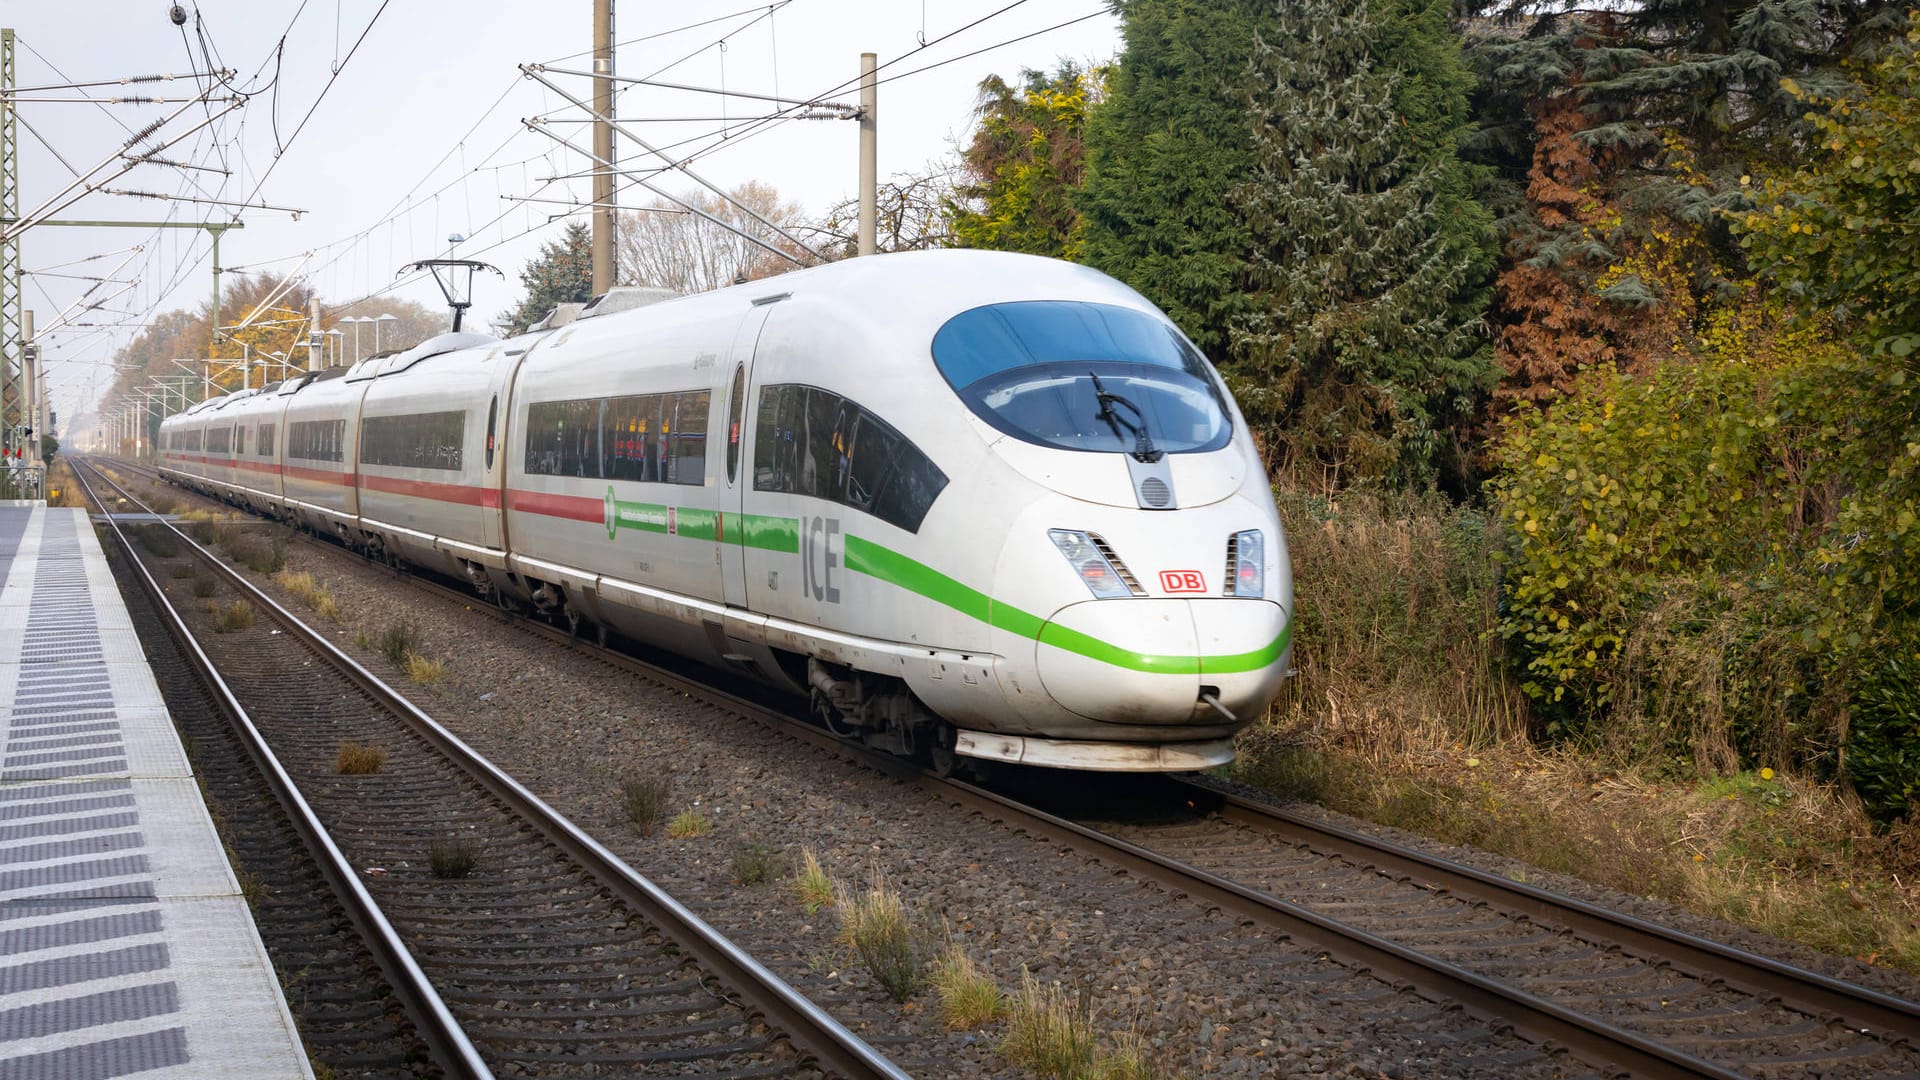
1393	642
874	923
1404	712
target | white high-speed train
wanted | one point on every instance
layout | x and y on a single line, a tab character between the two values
975	504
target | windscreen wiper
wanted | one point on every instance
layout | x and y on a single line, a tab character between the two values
1143	449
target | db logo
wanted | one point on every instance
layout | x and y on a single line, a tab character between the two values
1182	581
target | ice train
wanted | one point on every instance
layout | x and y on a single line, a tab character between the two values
976	505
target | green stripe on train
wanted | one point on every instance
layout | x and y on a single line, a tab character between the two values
752	530
782	534
884	564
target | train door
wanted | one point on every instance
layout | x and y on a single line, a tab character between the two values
737	469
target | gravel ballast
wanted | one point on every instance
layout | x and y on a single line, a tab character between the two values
1210	996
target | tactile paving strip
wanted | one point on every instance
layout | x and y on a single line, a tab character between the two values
124	946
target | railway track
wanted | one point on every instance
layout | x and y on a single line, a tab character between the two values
550	956
1621	994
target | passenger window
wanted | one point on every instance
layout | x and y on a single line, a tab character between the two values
685	438
563	438
627	438
809	441
736	405
493	410
647	438
822	471
774	453
874	447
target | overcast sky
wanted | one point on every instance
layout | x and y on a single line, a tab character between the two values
421	136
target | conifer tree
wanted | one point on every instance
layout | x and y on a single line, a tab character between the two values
1361	347
1025	163
561	274
1164	152
1549	325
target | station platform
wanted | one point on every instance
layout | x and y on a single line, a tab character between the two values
125	945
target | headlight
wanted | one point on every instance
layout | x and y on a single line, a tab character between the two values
1247	564
1093	566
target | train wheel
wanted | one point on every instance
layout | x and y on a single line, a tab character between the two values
941	758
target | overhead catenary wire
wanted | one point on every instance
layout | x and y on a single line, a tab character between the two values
407	204
714	142
679	152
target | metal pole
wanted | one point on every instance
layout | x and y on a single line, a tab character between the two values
30	382
12	273
213	341
602	147
315	361
869	161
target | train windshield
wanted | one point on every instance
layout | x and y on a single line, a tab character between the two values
1052	372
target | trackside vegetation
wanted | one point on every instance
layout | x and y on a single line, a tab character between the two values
1584	349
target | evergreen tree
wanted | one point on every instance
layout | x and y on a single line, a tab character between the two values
561	274
1359	351
1025	163
1678	100
1164	152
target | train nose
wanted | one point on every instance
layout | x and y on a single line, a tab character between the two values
1160	661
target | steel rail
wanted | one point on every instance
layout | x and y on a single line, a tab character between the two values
445	1040
1857	1007
809	1027
1536	1019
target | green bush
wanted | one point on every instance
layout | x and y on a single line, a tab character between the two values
1630	488
1883	739
1683	578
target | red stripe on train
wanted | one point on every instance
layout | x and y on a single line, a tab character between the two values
571	507
433	489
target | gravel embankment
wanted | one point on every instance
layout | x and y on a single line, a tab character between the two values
1211	996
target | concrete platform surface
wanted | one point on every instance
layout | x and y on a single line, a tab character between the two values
125	946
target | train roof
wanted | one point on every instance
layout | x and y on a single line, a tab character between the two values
375	366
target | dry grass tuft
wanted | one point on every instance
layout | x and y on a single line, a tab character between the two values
645	799
397	642
874	924
814	888
235	616
307	589
755	863
359	759
1050	1030
1128	1059
969	998
425	670
452	858
204	584
689	824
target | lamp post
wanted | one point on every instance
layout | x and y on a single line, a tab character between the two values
377	320
356	321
